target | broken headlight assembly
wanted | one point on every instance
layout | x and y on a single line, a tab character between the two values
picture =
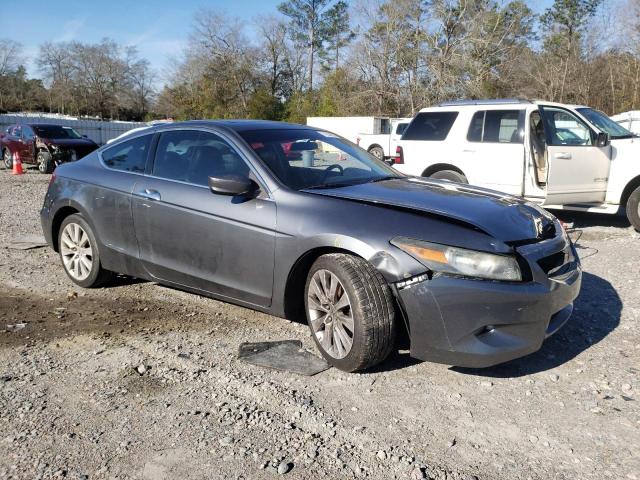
461	261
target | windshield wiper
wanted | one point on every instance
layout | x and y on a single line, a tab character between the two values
327	185
382	179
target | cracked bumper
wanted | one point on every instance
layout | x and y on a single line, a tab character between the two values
479	323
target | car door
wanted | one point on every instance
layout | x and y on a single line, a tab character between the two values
493	155
27	145
578	170
189	236
108	199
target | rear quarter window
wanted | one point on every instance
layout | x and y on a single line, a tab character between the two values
129	156
431	126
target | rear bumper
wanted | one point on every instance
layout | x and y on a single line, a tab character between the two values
479	323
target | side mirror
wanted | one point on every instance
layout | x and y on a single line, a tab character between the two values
232	185
603	139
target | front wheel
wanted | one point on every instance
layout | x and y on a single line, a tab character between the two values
633	209
7	159
450	175
79	253
350	312
377	152
45	162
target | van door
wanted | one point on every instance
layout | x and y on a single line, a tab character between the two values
493	154
578	170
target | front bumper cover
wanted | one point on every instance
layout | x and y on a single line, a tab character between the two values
479	323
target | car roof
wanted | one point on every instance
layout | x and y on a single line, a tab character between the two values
236	125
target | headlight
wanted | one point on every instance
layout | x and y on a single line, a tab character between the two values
460	261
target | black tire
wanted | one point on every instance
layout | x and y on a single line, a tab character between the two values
450	175
7	159
377	152
45	162
97	275
372	309
633	209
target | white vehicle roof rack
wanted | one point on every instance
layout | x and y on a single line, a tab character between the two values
496	101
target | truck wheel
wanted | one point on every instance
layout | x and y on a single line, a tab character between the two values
450	175
7	159
350	312
45	162
377	152
633	209
79	253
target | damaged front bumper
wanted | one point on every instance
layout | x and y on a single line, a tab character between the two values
479	323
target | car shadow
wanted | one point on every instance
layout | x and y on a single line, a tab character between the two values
120	280
596	314
588	219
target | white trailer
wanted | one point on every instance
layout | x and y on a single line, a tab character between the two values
352	128
629	120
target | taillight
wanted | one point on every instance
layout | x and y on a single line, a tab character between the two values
399	158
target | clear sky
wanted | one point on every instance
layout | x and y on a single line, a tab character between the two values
159	29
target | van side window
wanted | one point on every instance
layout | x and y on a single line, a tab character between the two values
497	126
434	126
129	156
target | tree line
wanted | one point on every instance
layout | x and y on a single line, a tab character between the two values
331	57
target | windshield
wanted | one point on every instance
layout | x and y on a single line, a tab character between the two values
304	158
604	123
55	131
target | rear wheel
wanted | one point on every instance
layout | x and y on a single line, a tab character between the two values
450	175
45	162
377	152
79	253
7	159
633	209
350	312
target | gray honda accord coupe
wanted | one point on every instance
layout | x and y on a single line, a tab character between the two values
300	223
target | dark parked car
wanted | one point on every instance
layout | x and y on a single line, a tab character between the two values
44	145
219	208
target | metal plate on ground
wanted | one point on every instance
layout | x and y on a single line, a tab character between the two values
27	242
284	355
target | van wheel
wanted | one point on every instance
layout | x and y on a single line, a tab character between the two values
450	175
633	209
350	312
377	152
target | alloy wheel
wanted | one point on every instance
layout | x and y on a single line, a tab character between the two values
330	314
8	160
76	250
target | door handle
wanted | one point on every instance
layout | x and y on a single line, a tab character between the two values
563	156
149	194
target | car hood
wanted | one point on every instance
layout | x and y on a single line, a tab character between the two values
502	216
69	142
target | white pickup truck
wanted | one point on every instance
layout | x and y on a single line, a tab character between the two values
384	145
560	156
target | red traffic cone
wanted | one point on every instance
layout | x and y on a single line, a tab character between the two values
17	165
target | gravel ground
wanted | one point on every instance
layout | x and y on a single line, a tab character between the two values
141	381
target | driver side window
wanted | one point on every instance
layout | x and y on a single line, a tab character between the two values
565	128
27	133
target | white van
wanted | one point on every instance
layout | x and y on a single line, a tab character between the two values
560	156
